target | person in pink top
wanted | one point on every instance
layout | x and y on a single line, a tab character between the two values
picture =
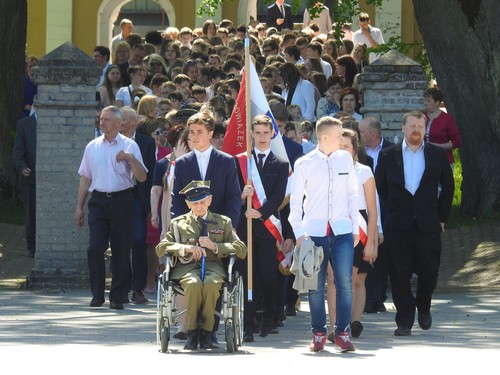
440	127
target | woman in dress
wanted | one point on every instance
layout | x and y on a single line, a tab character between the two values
124	96
349	99
298	91
330	104
441	129
111	85
365	253
346	68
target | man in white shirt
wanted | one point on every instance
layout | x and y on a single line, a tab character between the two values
329	217
368	35
126	27
111	165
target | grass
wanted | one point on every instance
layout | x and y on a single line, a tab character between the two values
456	220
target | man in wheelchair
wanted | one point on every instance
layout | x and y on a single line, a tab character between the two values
199	240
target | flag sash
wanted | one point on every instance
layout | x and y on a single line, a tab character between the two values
273	224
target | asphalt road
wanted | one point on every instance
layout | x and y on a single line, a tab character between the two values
56	332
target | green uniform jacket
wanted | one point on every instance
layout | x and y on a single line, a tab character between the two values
220	231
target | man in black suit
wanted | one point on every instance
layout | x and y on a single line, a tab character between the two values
370	132
416	181
141	193
25	162
137	55
269	176
279	15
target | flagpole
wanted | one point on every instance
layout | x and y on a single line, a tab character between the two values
249	169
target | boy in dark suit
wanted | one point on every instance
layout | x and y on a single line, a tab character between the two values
416	182
269	179
206	163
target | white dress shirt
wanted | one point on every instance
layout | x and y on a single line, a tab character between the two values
203	158
376	34
414	166
373	152
100	166
266	154
330	187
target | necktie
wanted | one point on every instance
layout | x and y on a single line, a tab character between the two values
260	163
204	232
282	9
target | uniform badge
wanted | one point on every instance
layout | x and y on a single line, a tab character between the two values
216	231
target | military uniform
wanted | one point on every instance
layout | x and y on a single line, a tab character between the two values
184	232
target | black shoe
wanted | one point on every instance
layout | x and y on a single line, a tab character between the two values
290	310
125	301
116	305
213	338
425	320
248	336
266	326
381	307
356	328
402	331
192	340
139	297
96	302
181	335
205	340
371	308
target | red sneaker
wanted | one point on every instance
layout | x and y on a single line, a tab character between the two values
343	342
318	342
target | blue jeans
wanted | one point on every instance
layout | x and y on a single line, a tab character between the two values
339	251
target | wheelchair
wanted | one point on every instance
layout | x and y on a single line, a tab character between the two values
231	314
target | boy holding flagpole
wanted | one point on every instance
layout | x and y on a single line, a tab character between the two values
269	174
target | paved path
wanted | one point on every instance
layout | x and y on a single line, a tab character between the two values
56	333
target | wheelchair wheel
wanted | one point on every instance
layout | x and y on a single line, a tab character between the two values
238	303
230	339
164	338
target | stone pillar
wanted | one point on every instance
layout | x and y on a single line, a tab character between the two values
66	80
391	86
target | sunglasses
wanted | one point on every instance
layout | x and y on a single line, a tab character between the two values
159	131
154	64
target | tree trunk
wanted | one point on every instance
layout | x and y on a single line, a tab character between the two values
462	40
13	20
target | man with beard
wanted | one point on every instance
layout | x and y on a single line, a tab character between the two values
416	181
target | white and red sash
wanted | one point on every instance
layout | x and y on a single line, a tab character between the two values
273	224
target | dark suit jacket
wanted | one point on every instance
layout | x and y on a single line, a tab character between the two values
148	151
25	148
123	70
425	207
273	13
274	177
224	186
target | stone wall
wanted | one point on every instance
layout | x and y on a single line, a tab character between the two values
392	85
66	104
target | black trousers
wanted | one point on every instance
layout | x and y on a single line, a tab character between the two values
28	195
265	279
411	252
110	223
